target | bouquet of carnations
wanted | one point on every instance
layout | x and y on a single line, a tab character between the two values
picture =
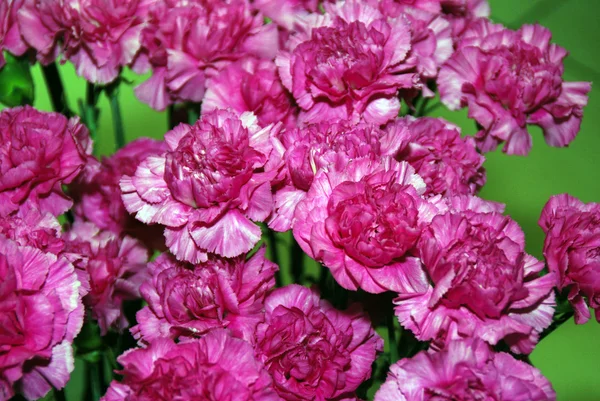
303	231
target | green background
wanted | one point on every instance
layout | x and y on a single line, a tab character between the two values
570	357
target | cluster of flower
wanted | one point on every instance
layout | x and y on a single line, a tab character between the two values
300	131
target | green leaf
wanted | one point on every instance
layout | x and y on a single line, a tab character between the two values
16	83
89	340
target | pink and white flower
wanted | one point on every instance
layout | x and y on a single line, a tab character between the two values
114	266
98	36
35	229
572	251
449	165
40	314
362	221
209	187
288	13
482	284
431	36
98	196
327	145
189	42
39	152
251	84
313	351
186	301
466	370
349	64
10	35
215	367
510	79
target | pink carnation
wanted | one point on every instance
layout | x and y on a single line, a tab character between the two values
459	13
466	370
313	351
189	42
10	36
39	152
510	79
328	144
286	13
483	284
252	85
215	367
362	221
431	35
40	315
35	229
462	13
449	165
99	37
209	187
185	301
98	195
572	251
115	267
349	65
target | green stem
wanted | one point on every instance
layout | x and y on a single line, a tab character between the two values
115	109
91	112
56	89
193	110
96	377
409	345
297	261
274	255
559	320
59	395
393	342
420	112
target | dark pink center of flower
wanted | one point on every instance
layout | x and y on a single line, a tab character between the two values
342	60
374	223
521	78
189	297
176	377
304	353
467	387
485	278
211	164
309	147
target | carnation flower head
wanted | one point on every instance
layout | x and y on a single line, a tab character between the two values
251	84
312	350
349	65
40	314
214	367
459	13
209	187
98	36
510	79
431	37
466	370
186	301
449	165
288	13
115	267
482	283
331	145
98	196
39	152
189	42
572	251
33	228
362	221
10	35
